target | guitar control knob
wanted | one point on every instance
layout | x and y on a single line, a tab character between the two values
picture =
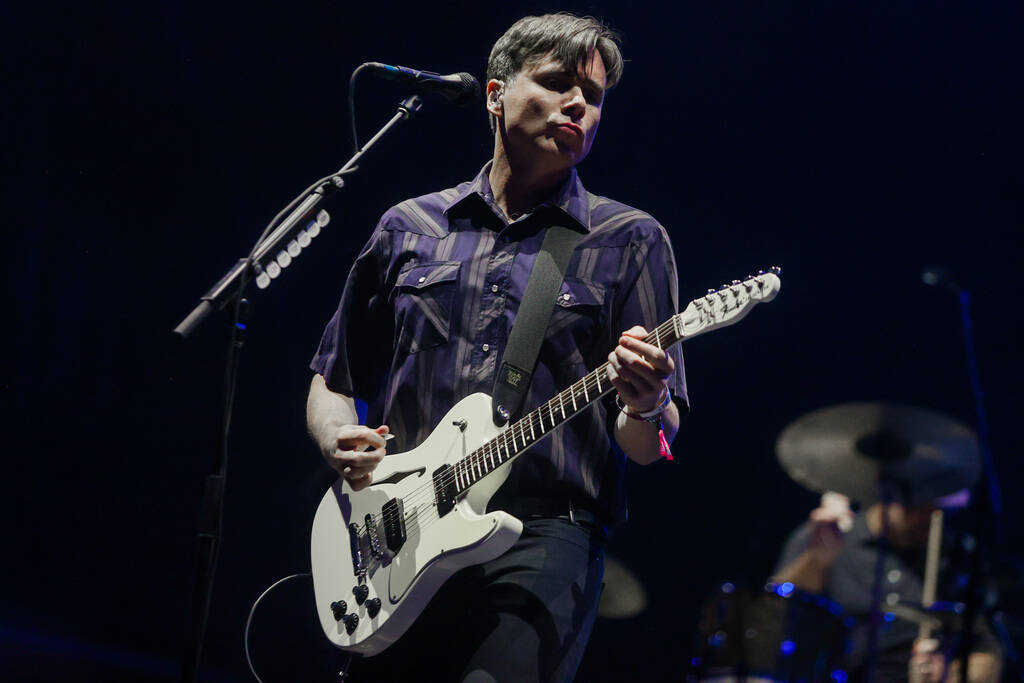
361	592
373	607
351	621
339	608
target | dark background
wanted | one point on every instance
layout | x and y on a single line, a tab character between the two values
149	143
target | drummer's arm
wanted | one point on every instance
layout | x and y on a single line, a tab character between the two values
809	570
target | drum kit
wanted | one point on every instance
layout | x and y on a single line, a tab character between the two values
869	452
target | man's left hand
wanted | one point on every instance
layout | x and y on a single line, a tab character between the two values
639	371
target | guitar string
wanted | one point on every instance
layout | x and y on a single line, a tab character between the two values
430	506
419	503
492	450
477	461
478	458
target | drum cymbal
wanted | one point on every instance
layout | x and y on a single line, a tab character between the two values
623	596
852	447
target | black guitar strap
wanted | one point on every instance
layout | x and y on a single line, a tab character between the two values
531	322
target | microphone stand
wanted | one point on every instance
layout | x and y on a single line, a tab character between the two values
886	491
228	289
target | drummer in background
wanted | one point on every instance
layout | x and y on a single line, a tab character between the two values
834	553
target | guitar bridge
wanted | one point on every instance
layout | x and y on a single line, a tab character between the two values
358	567
373	537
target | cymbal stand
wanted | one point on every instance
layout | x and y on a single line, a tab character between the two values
986	506
885	490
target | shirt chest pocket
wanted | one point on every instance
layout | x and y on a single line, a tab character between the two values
577	323
424	294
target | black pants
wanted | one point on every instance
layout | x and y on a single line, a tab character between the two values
523	617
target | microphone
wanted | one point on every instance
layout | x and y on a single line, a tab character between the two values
460	88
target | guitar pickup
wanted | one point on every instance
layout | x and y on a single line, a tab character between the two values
393	513
444	489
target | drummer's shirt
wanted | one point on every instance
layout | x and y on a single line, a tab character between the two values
850	583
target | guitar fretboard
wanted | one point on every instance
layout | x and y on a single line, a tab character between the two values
534	426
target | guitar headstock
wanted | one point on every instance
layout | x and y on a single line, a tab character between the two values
729	303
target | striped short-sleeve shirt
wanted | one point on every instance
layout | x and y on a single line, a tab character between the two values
430	301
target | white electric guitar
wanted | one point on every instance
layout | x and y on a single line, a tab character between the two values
380	554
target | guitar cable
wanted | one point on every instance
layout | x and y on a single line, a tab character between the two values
342	675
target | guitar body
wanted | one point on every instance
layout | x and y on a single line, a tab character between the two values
435	547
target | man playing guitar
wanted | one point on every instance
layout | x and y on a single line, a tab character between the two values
423	322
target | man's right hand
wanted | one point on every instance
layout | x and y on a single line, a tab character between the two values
354	451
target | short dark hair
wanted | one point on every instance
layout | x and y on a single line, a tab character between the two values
569	38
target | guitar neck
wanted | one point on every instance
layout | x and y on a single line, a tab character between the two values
534	426
718	308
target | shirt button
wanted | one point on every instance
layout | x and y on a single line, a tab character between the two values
892	599
486	347
494	289
894	575
423	279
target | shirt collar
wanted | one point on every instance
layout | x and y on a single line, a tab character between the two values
570	197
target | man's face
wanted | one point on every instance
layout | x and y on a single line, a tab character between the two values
551	113
908	525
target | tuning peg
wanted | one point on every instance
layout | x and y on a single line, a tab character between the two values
760	272
735	282
712	290
777	270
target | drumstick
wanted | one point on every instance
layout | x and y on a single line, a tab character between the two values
931	570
